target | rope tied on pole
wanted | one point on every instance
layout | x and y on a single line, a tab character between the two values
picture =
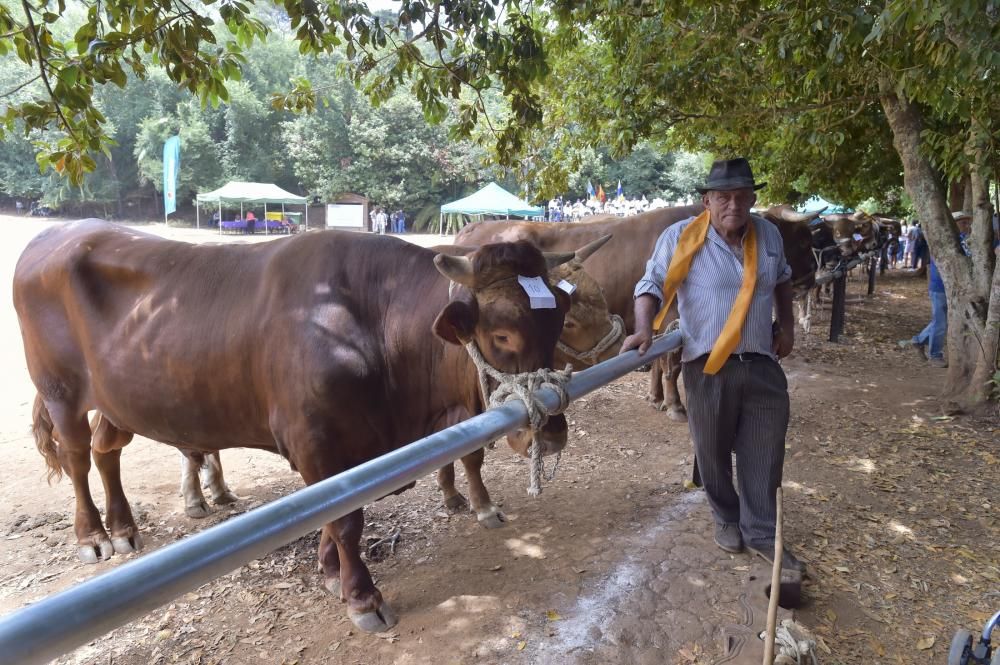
590	357
521	387
796	645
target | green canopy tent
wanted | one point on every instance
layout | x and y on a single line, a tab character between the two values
250	193
817	202
490	200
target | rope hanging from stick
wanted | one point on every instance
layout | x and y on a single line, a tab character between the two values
521	387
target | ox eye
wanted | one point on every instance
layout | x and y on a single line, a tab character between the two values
500	339
569	324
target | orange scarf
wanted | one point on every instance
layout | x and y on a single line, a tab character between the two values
691	240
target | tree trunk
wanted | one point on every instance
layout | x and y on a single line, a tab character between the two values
968	280
956	193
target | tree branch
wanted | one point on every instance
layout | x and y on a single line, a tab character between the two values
23	85
42	62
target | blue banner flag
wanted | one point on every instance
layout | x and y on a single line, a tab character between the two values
620	193
171	170
590	190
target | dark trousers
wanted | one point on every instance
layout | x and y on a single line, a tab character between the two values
742	409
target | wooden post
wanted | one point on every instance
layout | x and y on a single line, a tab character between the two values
872	263
772	603
837	307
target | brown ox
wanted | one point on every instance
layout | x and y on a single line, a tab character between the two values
589	335
854	233
298	346
621	264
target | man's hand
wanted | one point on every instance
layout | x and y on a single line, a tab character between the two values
782	341
645	308
639	340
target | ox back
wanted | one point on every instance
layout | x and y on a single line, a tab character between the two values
202	345
617	267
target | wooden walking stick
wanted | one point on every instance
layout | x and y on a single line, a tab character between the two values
772	604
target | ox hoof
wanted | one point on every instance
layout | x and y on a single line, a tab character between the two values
332	584
457	504
378	621
198	510
126	544
492	519
102	551
678	415
225	498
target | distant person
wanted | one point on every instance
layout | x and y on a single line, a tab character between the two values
929	343
381	221
251	223
215	218
19	206
400	221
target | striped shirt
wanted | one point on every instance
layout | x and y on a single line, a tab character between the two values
707	294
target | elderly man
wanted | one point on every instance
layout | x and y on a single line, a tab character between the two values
727	269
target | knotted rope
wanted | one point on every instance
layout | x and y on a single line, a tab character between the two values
590	357
796	645
522	387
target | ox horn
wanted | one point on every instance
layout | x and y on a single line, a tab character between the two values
792	216
553	259
587	250
456	268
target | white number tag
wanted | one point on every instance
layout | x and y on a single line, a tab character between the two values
858	237
538	293
566	286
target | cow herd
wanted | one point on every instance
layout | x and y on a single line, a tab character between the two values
126	333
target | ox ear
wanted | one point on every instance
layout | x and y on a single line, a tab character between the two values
553	259
457	322
456	268
587	250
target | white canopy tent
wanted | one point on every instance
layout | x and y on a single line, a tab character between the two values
490	200
250	193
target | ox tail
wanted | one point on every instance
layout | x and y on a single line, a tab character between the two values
41	428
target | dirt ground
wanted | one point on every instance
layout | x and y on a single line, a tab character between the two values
891	502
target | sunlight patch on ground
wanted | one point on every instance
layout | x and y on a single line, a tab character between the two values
461	610
900	528
521	546
798	487
862	464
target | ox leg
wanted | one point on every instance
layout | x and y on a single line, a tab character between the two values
107	442
125	535
672	402
453	499
73	434
656	384
804	305
195	505
329	561
365	605
213	480
487	513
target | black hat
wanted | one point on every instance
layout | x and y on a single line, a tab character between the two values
729	174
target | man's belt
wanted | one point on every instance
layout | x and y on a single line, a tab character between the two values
744	357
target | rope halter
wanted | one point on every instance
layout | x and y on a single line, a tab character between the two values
522	387
590	357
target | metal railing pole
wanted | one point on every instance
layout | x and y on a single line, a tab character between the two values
62	622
